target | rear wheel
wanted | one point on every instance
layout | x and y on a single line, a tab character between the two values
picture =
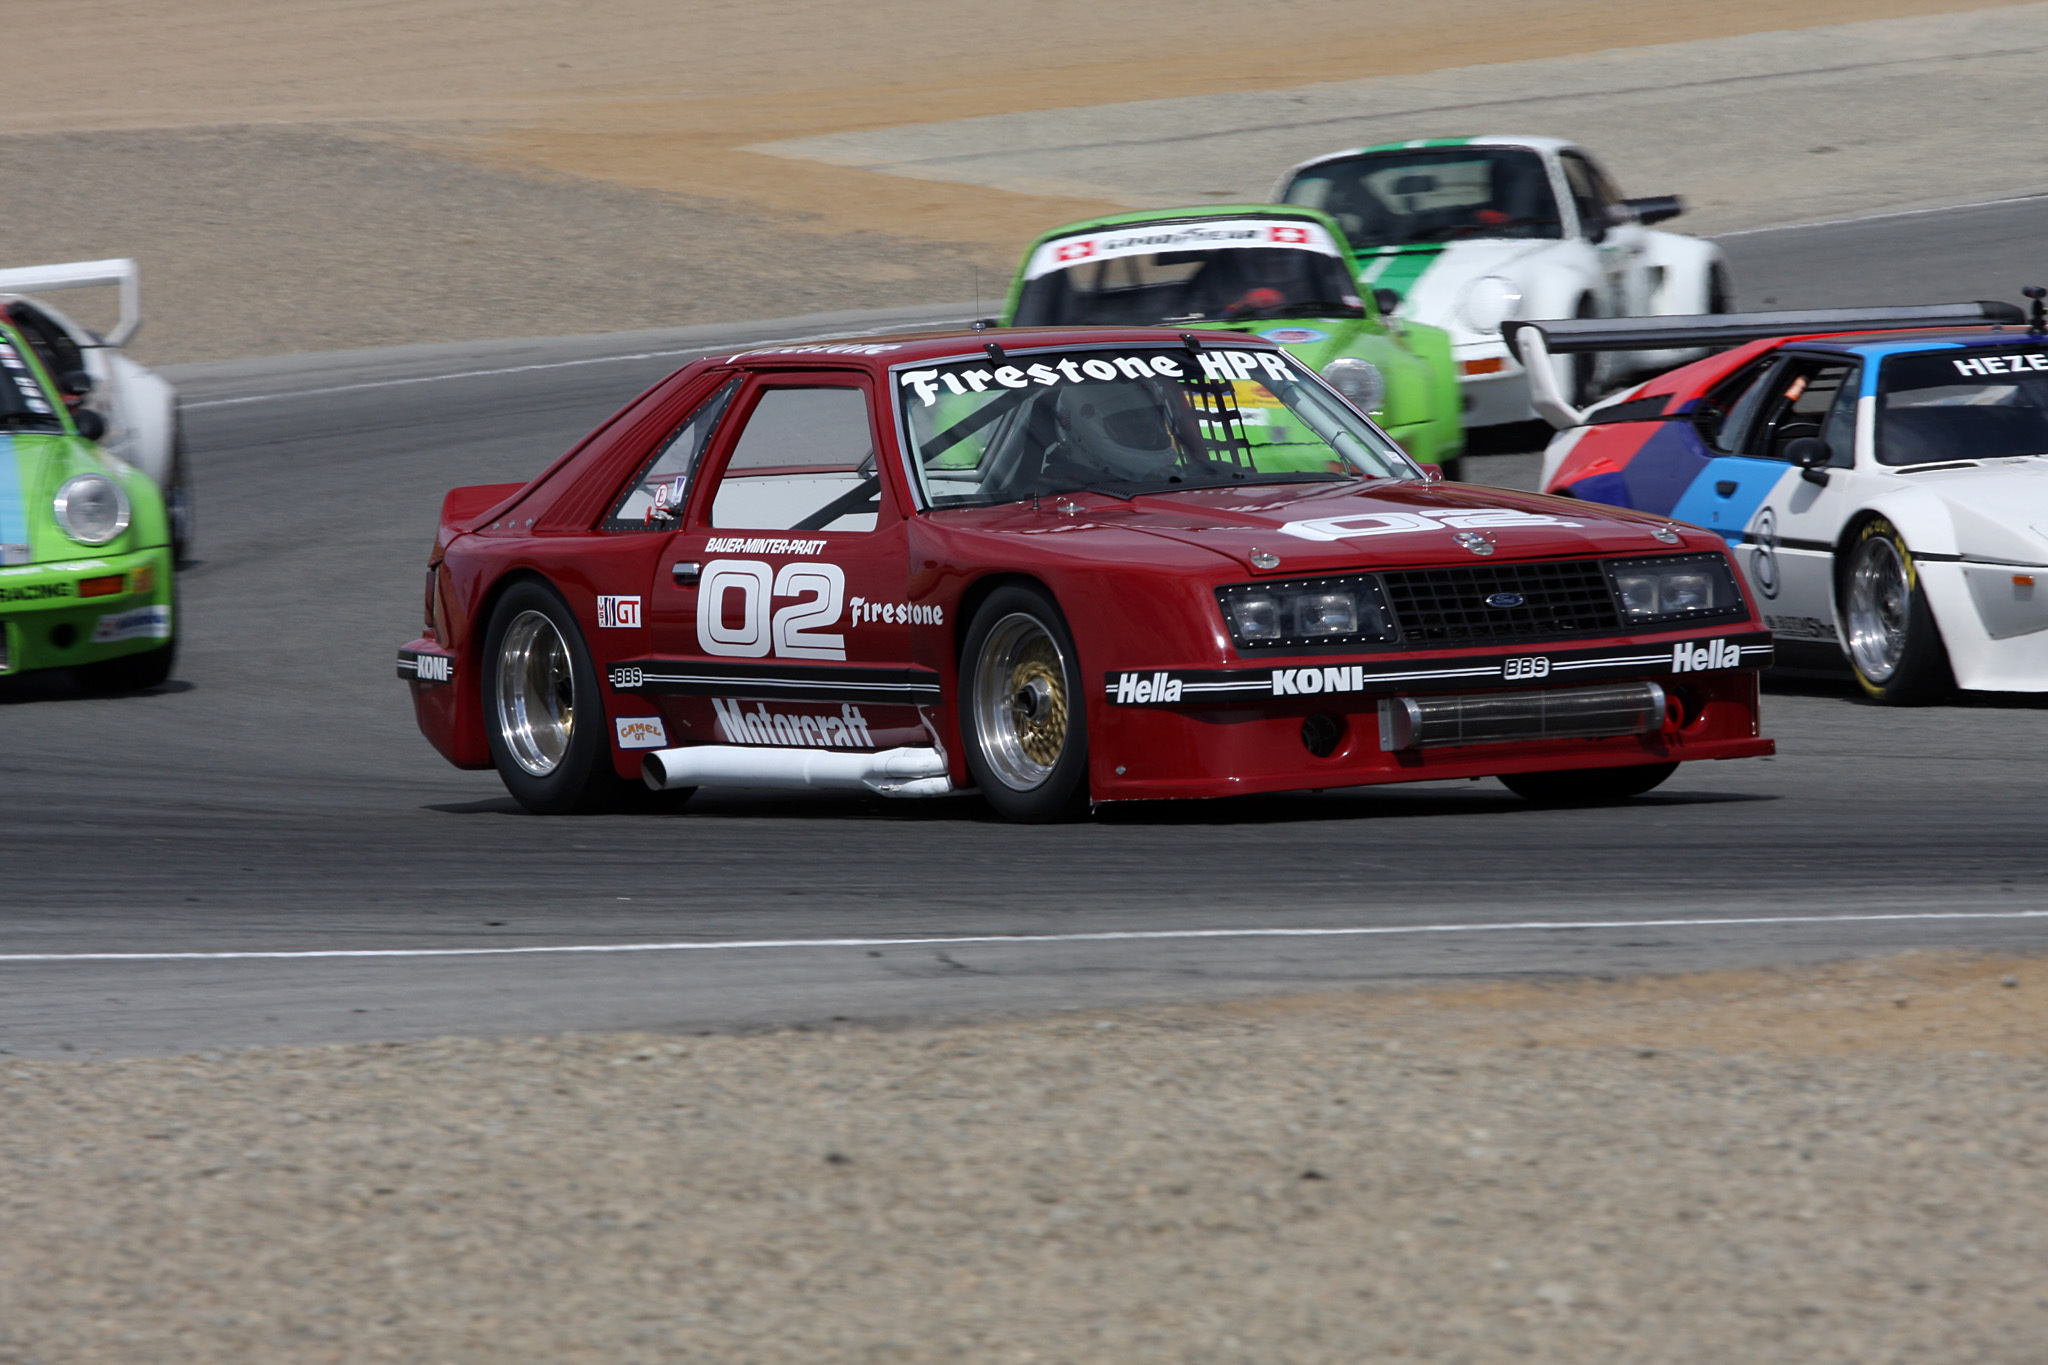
1577	786
1895	649
1022	713
542	713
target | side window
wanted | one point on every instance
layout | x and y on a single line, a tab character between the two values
654	499
1729	409
805	461
1801	396
1838	428
1587	194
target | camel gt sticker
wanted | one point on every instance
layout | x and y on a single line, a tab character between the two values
641	732
619	612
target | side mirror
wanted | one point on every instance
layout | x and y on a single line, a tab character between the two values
1387	301
1432	473
90	424
74	383
1656	208
1811	454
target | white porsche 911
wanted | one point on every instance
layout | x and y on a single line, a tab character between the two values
134	412
1468	233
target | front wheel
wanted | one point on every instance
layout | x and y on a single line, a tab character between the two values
1023	717
128	672
542	713
1895	649
1586	786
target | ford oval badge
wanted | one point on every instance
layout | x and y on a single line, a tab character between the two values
1505	599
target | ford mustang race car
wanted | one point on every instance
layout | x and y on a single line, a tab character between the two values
1057	566
137	411
1883	473
1470	232
1282	274
85	559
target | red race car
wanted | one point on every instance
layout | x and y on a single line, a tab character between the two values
1058	566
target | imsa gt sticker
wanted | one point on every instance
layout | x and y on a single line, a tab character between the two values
618	613
1163	687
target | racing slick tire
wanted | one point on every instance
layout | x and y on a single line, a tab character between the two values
538	683
1023	718
1895	649
1587	786
178	497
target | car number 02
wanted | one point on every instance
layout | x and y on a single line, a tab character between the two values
1523	666
790	632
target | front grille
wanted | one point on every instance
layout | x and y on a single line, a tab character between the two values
1449	606
1506	717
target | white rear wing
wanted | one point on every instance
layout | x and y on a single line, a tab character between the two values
121	274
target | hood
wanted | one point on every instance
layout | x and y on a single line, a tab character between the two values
1386	524
1429	278
1998	510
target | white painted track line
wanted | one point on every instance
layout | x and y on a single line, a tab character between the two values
1030	940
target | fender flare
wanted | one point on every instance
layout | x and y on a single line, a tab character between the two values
1688	264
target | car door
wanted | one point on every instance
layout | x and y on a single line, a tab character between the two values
1614	235
1788	522
779	613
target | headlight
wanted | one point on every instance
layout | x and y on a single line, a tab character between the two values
1358	380
1675	589
1489	301
91	508
1322	611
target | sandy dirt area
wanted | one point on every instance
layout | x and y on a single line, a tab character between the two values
323	173
1832	1165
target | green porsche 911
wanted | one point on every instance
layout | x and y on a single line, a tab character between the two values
1278	272
85	546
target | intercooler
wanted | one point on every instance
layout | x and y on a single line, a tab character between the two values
1500	717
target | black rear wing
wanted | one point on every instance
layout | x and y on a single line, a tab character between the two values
1536	340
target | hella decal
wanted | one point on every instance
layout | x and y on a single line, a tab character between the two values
1135	689
640	732
618	612
1692	658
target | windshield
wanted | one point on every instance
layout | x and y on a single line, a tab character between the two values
1192	286
1974	404
1129	421
1432	194
23	405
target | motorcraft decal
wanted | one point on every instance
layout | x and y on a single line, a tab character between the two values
414	665
1215	234
792	729
1359	525
1165	687
773	681
144	623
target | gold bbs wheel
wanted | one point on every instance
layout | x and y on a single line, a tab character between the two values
1020	702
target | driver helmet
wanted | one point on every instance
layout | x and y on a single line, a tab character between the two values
1122	429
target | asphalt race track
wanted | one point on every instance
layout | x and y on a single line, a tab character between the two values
276	799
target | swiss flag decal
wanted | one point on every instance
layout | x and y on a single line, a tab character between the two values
1296	235
1074	251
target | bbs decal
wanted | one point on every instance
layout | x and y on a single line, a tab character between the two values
1524	666
737	615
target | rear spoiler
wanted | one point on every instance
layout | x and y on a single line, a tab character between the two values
40	279
1536	340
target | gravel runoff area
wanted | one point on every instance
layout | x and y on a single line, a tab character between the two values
1838	1164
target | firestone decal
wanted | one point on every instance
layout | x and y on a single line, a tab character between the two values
1358	525
789	729
898	613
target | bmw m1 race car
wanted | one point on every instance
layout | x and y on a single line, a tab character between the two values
1057	566
1282	274
1882	472
136	411
85	557
1470	232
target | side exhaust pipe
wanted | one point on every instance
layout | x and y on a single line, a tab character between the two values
892	772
